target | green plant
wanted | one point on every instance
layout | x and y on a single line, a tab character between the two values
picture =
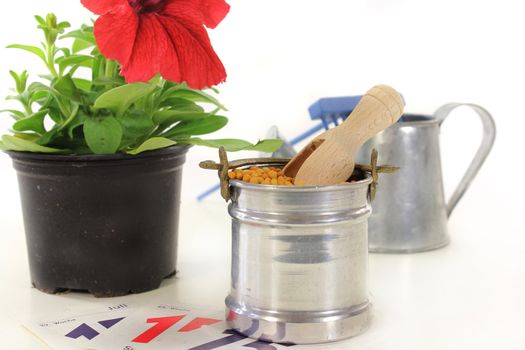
84	106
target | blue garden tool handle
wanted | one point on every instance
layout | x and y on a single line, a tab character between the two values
308	133
208	192
333	106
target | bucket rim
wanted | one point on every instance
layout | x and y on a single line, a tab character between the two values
298	189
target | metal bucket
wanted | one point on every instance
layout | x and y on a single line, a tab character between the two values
299	261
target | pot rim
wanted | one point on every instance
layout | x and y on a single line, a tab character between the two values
179	148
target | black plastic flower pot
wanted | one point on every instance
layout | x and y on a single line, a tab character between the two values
103	224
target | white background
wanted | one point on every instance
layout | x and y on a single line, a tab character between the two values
282	55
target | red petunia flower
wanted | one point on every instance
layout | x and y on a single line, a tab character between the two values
161	36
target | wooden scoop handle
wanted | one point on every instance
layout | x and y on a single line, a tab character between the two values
333	161
379	108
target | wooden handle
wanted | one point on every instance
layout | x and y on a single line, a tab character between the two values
333	161
379	108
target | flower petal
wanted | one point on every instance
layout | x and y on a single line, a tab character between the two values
208	12
101	6
153	52
198	63
115	32
214	12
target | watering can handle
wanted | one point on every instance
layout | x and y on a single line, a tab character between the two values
489	134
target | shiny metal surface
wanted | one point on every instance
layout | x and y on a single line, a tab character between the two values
299	262
410	212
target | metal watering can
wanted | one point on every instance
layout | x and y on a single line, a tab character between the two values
410	212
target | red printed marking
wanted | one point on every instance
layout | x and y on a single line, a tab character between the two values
197	323
162	324
231	316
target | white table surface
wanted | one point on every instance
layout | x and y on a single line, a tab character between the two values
469	295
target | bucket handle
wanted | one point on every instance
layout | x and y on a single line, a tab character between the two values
225	165
489	135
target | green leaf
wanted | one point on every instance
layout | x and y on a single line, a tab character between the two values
18	144
46	76
61	104
20	80
95	51
16	79
49	136
54	111
27	136
40	20
33	123
66	87
64	50
103	135
168	117
74	60
22	98
234	145
136	127
33	49
63	25
85	34
23	80
80	45
74	111
99	66
197	127
103	81
14	113
184	92
153	144
36	86
181	104
83	84
39	97
79	120
119	99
